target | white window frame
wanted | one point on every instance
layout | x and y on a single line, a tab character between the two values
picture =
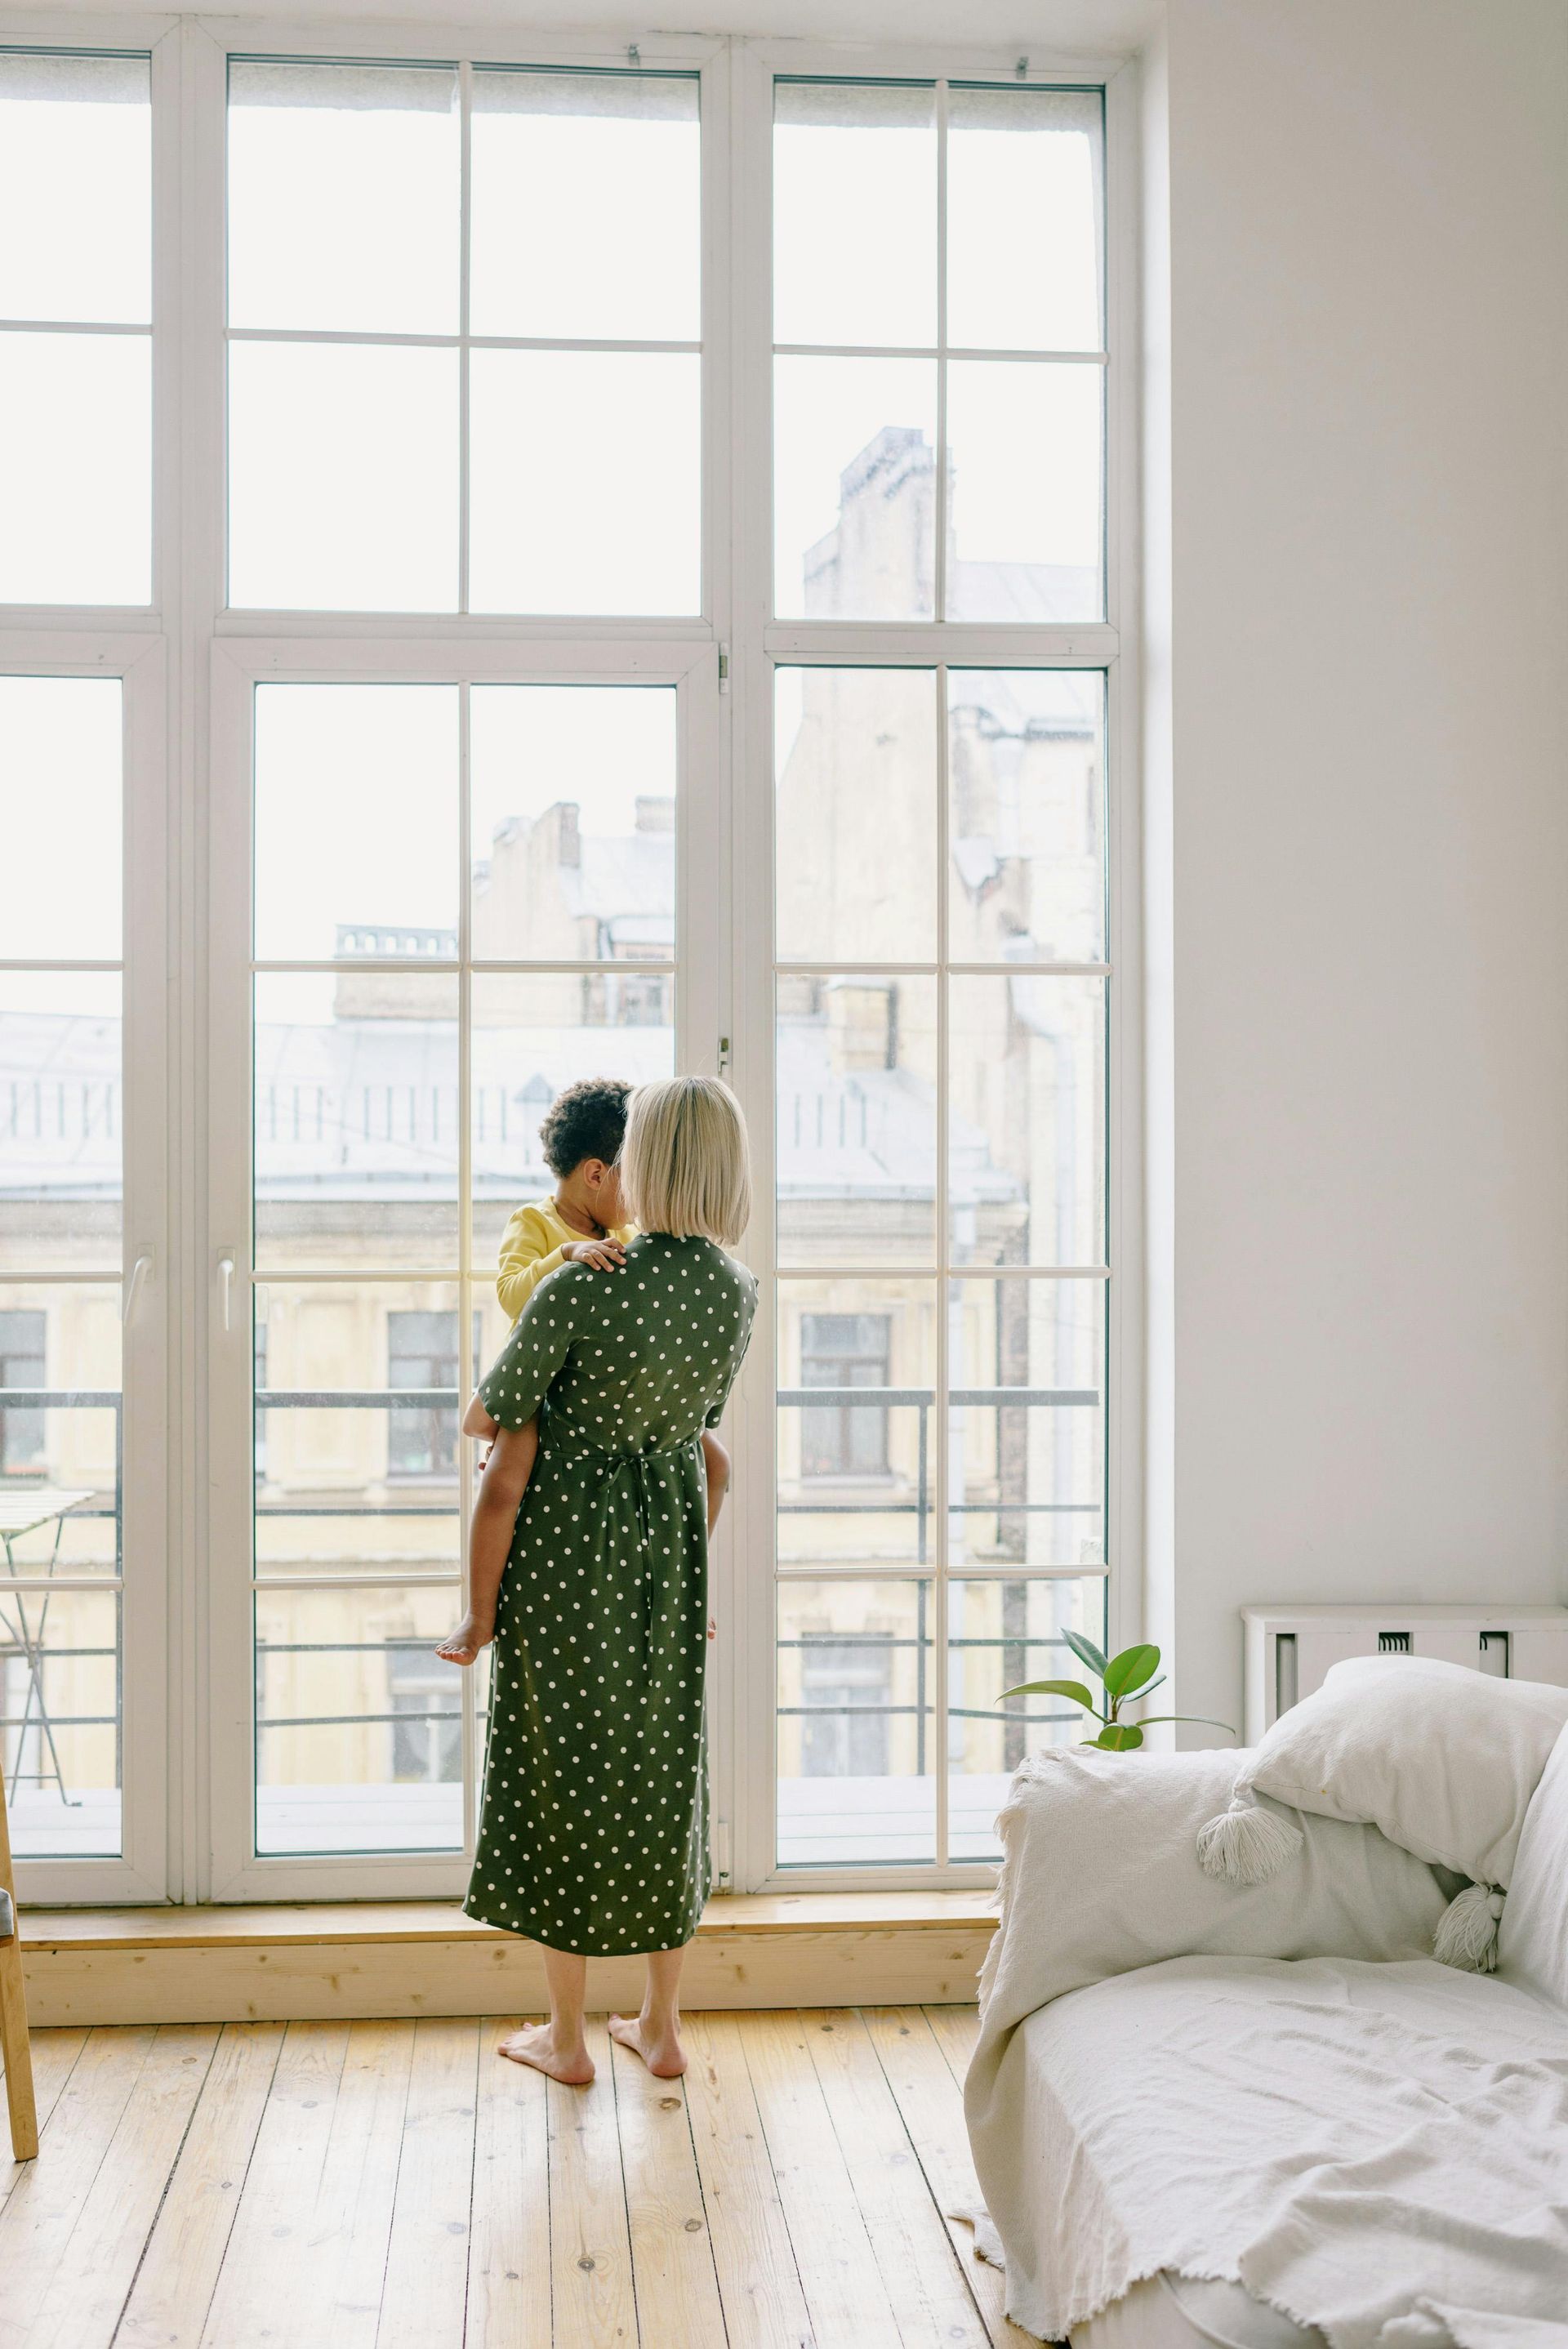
191	1685
147	1355
239	1873
763	643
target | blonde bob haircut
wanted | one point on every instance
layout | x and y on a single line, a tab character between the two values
685	1167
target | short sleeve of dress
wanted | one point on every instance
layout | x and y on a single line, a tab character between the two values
716	1409
535	1353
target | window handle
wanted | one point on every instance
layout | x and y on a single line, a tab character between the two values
226	1287
139	1272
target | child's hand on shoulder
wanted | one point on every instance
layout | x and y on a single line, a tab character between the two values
605	1255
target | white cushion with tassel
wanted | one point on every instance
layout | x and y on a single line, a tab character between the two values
1443	1760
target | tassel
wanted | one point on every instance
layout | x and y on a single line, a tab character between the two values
1467	1931
1245	1845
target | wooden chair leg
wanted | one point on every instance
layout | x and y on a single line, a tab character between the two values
14	2043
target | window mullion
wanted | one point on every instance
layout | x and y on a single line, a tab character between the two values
465	214
939	582
942	1367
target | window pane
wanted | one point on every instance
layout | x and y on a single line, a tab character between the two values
855	473
587	482
856	1120
856	857
358	1721
1026	1153
856	1737
1026	1448
61	1120
59	1431
357	1120
856	1391
1000	1634
356	821
532	1037
343	477
1026	800
854	213
75	189
76	520
586	194
573	821
59	1720
349	1478
1024	219
343	197
60	817
1023	445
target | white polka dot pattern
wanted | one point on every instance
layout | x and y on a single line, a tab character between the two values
594	1822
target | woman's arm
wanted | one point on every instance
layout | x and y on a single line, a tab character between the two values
476	1421
501	1489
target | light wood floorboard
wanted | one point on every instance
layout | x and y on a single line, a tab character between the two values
375	2185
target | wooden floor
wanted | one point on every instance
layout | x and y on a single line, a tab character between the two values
396	2186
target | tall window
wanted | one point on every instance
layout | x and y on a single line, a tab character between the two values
484	861
942	1012
524	567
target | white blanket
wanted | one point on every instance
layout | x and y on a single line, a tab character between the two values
1369	2145
1380	2150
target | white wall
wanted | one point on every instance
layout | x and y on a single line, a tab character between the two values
1369	565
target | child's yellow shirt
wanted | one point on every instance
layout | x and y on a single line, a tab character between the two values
531	1246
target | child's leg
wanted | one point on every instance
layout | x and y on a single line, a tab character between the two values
655	2033
558	2047
508	1468
716	1460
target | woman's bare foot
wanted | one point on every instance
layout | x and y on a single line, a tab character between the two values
535	2044
466	1641
661	2052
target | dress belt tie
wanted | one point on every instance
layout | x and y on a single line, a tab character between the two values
635	1463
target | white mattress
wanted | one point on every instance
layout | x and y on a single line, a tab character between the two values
1169	2312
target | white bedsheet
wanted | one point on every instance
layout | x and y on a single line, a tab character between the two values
1377	2149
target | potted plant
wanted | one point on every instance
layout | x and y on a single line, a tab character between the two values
1124	1679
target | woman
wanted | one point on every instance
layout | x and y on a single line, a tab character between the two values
594	1830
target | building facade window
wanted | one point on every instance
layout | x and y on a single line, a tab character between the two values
22	1364
422	1352
848	1350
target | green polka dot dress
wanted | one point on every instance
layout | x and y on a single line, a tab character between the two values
593	1824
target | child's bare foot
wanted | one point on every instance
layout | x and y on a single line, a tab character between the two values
535	2044
466	1641
662	2053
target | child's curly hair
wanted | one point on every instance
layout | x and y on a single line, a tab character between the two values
587	1121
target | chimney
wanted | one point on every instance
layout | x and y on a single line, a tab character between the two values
568	838
655	814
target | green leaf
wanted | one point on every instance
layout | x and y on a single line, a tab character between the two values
1075	1689
1127	1671
1139	1695
1206	1720
1087	1653
1118	1736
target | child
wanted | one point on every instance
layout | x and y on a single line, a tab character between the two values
580	1222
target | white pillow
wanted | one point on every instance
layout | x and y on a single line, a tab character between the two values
1099	1877
1443	1760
